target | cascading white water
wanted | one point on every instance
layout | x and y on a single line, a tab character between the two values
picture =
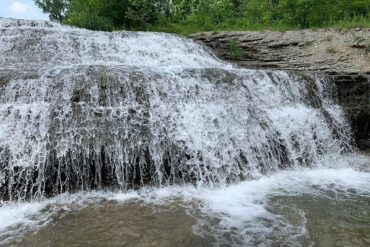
82	110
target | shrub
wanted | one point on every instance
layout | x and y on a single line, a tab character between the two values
235	51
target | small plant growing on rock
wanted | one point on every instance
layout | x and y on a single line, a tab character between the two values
103	81
235	52
103	77
367	46
329	38
360	42
331	50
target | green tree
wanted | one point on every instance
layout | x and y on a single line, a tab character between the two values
201	15
55	8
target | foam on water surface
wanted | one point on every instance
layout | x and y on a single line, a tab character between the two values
121	125
84	111
243	210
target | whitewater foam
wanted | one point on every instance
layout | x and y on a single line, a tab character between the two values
84	111
244	209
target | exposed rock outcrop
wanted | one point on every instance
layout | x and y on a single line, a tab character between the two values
83	110
343	56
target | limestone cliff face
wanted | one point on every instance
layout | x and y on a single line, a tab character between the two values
343	56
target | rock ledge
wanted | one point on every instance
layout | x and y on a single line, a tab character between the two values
343	56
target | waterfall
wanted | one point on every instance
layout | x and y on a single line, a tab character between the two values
83	110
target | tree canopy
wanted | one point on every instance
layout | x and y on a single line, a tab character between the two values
200	15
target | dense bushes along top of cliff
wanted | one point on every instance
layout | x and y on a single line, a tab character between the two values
187	16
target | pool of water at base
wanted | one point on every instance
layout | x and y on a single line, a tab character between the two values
305	207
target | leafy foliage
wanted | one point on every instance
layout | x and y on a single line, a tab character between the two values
235	52
184	16
55	8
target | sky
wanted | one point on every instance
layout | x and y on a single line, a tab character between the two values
21	9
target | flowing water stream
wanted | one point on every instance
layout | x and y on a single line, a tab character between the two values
147	139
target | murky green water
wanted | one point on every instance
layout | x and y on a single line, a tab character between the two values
329	221
112	224
323	222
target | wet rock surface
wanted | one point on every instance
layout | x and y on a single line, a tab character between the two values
83	110
353	94
342	56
